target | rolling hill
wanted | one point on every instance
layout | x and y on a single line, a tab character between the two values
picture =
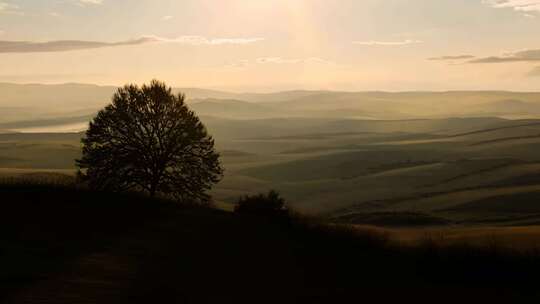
346	169
233	109
324	150
40	102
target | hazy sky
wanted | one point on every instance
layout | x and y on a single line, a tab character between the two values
261	45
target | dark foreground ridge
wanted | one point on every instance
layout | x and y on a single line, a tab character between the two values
63	245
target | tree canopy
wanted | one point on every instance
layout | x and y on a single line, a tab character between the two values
148	139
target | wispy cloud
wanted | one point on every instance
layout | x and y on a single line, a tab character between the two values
279	61
4	6
85	3
452	57
9	8
239	64
73	45
200	40
518	5
91	1
535	72
387	43
62	45
519	56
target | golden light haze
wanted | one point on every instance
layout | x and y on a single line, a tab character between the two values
255	45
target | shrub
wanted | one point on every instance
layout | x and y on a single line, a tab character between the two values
271	204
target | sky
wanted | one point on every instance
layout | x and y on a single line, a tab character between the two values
271	45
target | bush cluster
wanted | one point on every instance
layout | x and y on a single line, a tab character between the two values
270	204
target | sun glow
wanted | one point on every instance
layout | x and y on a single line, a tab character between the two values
273	44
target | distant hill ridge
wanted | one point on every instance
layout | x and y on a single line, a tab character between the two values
28	102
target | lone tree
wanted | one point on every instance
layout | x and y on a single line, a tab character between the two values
148	140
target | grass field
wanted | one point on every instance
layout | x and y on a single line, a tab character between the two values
520	238
353	169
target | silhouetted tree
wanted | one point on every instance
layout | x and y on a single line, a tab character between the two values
271	204
149	140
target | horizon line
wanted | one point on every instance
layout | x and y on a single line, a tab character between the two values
273	92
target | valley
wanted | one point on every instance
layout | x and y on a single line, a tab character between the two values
480	170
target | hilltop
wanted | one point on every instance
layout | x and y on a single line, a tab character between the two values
63	245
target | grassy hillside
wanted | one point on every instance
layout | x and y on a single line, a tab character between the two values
63	245
356	171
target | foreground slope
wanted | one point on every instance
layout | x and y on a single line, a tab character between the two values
62	245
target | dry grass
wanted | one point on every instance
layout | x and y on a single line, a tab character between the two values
524	239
